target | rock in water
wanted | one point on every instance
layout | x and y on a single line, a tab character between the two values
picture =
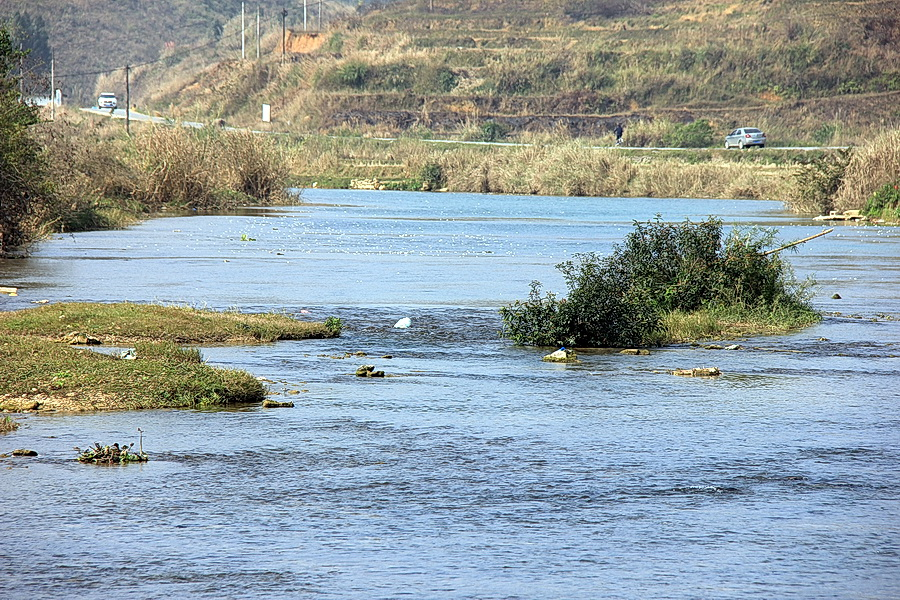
698	372
561	355
276	404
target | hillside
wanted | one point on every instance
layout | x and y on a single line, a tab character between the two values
817	72
92	42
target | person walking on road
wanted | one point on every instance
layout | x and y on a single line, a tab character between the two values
619	130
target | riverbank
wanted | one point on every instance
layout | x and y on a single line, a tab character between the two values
48	365
102	179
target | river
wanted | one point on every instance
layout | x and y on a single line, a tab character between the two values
474	470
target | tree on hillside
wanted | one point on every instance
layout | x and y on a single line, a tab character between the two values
22	166
31	33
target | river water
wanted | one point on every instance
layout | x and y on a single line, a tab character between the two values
474	470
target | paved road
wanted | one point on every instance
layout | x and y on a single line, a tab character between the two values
133	115
119	113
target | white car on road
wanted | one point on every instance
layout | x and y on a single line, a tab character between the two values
107	100
745	137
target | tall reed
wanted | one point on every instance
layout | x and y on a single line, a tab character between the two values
871	166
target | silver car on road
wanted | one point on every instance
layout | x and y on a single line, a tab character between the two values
745	137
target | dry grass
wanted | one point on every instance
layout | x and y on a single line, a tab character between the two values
208	169
871	166
715	179
551	165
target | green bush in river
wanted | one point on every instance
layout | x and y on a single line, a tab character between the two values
661	268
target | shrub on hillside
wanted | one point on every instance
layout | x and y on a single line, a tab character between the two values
435	79
391	77
491	131
352	74
583	10
698	134
662	268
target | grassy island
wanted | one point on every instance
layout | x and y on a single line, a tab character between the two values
43	371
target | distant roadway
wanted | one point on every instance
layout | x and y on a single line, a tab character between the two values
119	113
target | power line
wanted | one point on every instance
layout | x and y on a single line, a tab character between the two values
179	53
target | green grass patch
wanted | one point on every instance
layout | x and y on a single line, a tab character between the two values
126	323
732	322
41	374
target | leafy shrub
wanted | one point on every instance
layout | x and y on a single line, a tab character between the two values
818	180
885	201
334	43
491	131
824	134
435	79
390	77
334	325
433	175
353	74
699	134
512	81
662	268
609	9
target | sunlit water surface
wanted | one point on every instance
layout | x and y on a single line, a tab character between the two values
474	470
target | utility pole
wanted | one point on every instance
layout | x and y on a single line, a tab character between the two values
21	73
127	100
243	34
52	93
320	16
283	39
304	16
257	32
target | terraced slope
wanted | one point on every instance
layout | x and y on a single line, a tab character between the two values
825	71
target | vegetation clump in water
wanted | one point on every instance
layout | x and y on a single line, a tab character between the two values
111	455
666	283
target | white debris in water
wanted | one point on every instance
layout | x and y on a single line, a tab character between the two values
403	323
